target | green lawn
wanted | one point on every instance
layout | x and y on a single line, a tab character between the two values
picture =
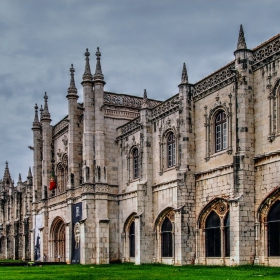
130	271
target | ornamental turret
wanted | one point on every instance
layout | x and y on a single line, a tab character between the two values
73	132
88	136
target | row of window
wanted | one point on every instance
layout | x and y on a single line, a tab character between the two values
220	143
217	232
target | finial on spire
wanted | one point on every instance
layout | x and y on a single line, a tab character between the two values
145	100
36	113
7	167
184	78
72	80
98	71
45	113
87	74
46	108
36	123
241	44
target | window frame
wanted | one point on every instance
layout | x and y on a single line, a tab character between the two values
223	128
171	150
135	158
167	235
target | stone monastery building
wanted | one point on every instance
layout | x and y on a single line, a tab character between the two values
194	179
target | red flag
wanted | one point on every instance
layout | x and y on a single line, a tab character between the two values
52	182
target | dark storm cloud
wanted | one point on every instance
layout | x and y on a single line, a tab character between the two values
143	45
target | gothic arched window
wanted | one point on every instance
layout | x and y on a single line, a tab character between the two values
171	150
132	240
273	223
166	239
220	131
135	163
213	235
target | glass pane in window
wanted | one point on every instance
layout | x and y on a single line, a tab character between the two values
213	220
274	213
132	240
213	242
224	135
274	238
166	238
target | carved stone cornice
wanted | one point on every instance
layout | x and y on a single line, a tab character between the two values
266	52
127	100
166	108
214	82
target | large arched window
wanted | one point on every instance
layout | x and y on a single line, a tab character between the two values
273	222
135	163
213	235
132	240
171	150
166	239
220	131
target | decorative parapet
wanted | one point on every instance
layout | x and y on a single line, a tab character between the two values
266	52
60	128
127	100
213	82
166	108
131	126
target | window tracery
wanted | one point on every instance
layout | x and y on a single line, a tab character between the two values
62	174
218	129
135	163
274	110
214	221
168	148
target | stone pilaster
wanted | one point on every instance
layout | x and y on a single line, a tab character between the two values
46	143
144	237
185	214
73	134
242	204
88	134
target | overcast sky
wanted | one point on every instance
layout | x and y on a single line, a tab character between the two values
143	45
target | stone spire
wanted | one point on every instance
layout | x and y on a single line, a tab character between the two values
36	123
19	178
41	112
87	74
98	71
7	177
29	173
241	44
46	114
184	78
72	80
145	100
72	90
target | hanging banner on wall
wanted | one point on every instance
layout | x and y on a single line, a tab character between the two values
38	224
76	231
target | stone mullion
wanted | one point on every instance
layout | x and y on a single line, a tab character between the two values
177	160
257	238
265	244
270	116
160	157
230	126
206	133
128	169
223	248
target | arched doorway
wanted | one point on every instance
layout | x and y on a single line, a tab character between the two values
58	240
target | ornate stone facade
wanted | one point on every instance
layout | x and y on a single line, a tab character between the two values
190	180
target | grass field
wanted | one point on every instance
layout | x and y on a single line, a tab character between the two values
130	271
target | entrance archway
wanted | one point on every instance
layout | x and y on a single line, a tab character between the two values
58	240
